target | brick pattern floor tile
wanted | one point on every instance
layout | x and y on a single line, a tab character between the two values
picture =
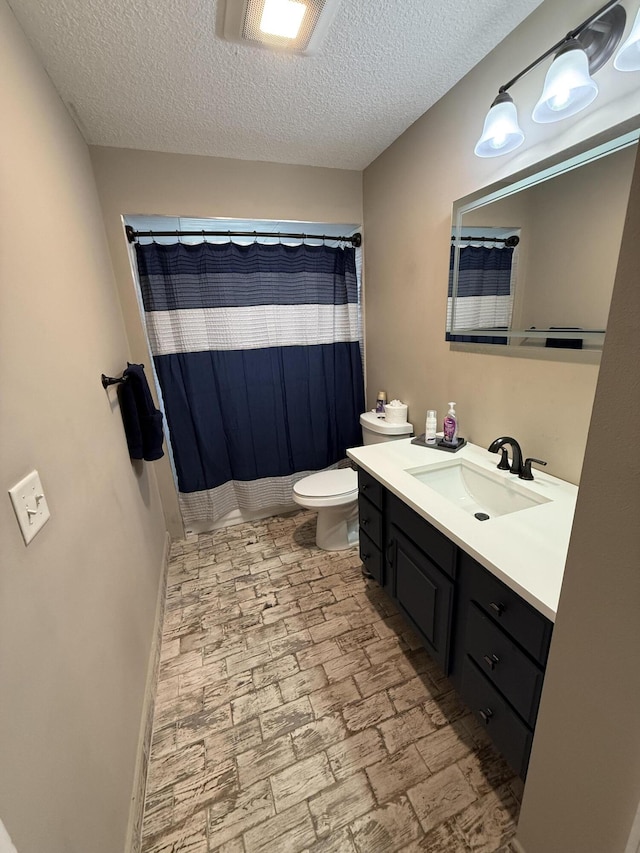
296	712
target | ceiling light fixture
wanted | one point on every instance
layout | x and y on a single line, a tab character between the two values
294	26
282	18
568	86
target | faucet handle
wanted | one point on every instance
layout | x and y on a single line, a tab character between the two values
526	473
503	464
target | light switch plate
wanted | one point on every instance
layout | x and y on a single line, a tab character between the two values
30	505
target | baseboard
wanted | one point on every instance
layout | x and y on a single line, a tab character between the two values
136	809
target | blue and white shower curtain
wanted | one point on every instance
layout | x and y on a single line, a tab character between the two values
484	300
256	349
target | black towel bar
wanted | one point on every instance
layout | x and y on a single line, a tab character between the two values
109	380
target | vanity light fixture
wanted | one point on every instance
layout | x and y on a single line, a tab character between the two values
501	132
293	26
568	86
628	57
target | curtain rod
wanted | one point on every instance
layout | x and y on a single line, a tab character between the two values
133	235
510	242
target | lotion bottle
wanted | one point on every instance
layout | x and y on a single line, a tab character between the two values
450	426
431	425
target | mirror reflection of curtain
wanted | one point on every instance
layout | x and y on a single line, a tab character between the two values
257	355
484	300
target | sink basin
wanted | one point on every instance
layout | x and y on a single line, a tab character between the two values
475	490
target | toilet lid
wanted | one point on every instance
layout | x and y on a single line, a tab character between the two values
339	481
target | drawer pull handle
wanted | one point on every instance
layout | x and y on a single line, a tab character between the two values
364	522
486	715
365	557
364	488
491	661
390	552
498	609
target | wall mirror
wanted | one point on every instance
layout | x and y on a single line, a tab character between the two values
534	257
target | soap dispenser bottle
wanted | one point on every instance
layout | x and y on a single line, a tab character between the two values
450	427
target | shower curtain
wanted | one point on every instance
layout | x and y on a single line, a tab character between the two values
256	350
484	299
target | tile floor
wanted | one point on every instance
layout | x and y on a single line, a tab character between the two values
296	711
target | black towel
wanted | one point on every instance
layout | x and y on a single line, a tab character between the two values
142	421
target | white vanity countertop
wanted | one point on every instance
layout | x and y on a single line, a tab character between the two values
527	550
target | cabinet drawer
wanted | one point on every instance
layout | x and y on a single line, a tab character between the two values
370	520
371	557
440	549
370	487
510	735
515	616
425	594
515	675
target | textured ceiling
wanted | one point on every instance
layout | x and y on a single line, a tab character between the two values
154	74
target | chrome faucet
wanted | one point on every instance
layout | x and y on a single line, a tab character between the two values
516	454
522	469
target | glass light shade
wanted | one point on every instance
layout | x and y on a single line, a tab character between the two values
628	57
501	132
568	87
282	18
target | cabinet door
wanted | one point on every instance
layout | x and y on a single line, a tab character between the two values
529	628
440	549
371	557
515	675
425	593
510	735
371	488
370	520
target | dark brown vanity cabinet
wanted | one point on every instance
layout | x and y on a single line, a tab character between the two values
371	497
422	561
501	648
491	643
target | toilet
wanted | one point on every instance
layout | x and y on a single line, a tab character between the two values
334	493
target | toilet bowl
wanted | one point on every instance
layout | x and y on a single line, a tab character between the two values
334	495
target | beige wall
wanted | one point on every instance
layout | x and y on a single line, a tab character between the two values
408	194
576	229
583	785
584	781
77	605
149	183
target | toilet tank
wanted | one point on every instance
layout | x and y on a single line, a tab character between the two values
376	430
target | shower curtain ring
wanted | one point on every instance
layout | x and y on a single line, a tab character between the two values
153	239
204	239
255	237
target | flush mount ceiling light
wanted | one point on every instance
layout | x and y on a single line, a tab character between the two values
296	26
568	86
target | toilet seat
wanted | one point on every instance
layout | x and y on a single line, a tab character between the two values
327	488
